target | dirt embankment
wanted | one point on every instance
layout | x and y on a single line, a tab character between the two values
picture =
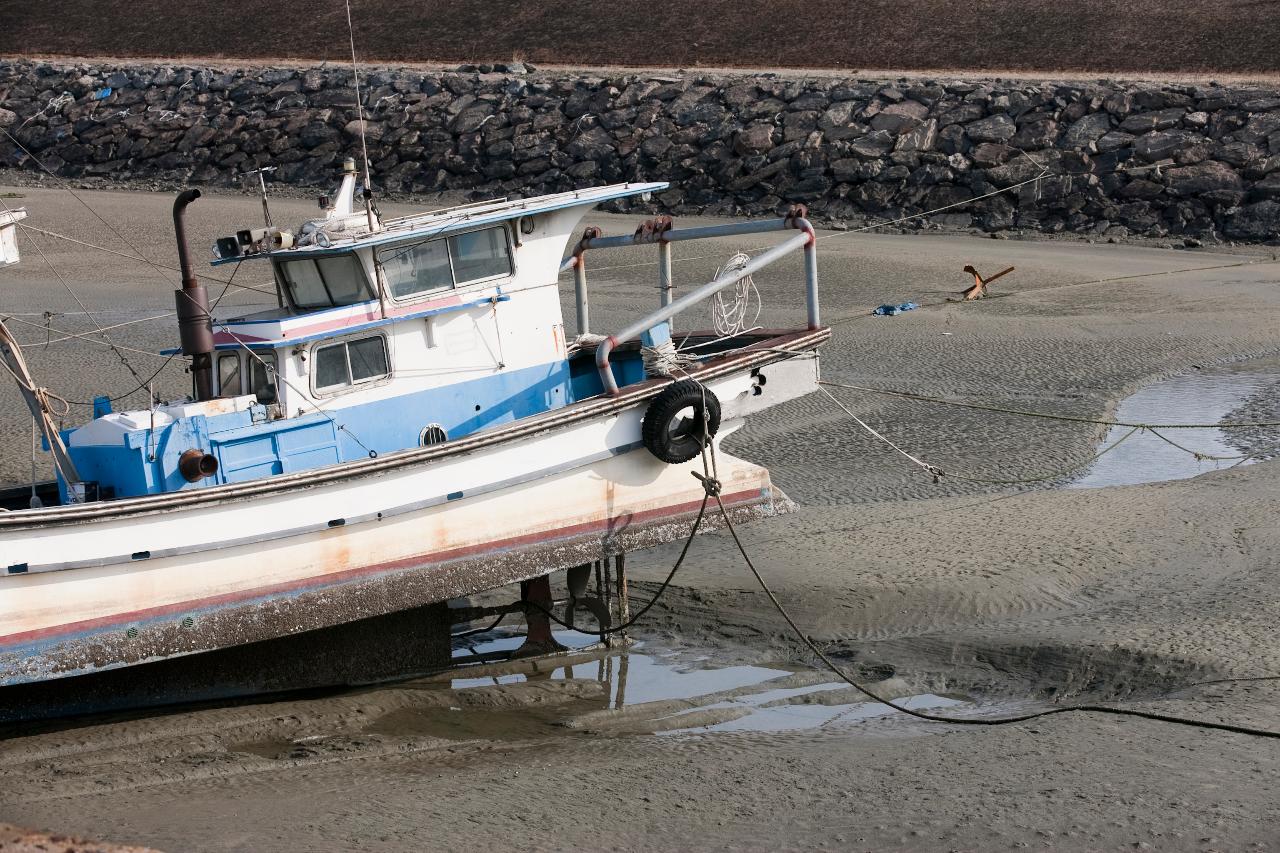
1164	36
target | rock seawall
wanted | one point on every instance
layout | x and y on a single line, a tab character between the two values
1200	162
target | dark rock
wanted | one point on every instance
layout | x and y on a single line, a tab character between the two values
990	154
875	144
1202	178
1147	122
1259	127
1268	187
1141	189
1161	145
963	114
1033	135
1237	153
1113	141
754	139
899	118
1087	130
997	128
1260	221
920	139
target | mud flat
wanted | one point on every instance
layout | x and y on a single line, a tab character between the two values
982	595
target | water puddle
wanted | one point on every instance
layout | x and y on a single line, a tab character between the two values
1200	398
644	689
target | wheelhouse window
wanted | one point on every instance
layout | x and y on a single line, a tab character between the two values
353	362
258	379
325	282
446	262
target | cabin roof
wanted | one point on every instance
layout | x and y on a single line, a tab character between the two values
271	329
451	219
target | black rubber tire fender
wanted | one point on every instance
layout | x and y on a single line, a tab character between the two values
675	439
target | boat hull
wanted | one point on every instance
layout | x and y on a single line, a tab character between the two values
98	587
120	616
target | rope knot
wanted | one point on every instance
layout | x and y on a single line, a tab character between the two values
710	485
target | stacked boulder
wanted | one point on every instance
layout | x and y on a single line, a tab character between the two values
1102	158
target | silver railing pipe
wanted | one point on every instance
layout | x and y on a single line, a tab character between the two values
709	289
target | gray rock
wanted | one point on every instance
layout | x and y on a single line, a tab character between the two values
1202	178
1033	135
991	154
7	117
1113	141
754	139
1087	130
1259	127
875	144
1161	145
963	114
1260	221
997	128
1140	188
920	139
1147	122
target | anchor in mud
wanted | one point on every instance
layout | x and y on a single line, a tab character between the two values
979	288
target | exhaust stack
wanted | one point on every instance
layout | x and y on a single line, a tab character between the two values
195	328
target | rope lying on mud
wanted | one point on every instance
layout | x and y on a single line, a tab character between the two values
923	398
938	472
970	721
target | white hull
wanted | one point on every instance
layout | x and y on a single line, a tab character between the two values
101	586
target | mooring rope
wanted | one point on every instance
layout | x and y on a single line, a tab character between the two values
1045	415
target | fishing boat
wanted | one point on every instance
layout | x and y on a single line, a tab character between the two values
412	424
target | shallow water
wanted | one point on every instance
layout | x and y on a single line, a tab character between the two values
1200	398
736	698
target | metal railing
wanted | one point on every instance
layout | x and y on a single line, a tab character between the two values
661	232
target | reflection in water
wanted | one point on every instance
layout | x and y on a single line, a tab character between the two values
713	699
1193	399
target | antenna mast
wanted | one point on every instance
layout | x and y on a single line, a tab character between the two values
364	146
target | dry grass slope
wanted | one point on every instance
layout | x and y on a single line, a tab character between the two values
1102	36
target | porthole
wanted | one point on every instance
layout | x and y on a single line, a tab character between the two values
432	434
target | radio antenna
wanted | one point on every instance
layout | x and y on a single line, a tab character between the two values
364	146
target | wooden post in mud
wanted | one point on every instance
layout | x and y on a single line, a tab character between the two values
624	599
538	637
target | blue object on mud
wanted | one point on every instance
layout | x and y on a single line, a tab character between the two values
102	94
891	310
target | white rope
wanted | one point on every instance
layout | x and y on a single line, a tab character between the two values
932	469
664	359
730	318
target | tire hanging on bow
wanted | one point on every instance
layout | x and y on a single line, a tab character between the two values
680	420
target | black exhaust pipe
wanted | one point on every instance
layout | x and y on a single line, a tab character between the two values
195	327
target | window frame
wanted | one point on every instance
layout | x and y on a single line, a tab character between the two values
423	295
239	375
351	385
282	281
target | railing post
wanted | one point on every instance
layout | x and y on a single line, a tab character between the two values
580	289
811	279
666	290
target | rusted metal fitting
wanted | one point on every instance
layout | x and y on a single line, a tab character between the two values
651	230
796	213
195	465
589	233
